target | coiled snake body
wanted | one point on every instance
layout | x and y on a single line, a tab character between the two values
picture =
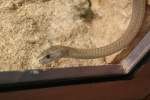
57	52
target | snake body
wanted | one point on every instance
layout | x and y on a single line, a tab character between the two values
57	52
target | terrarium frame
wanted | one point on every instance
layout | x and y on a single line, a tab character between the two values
122	65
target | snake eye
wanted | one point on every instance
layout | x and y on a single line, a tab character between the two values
48	56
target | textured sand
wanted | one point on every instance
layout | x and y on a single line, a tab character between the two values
27	27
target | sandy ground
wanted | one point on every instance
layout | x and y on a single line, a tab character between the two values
27	27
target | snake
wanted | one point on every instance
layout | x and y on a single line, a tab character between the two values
57	52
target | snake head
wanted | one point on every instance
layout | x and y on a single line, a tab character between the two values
51	54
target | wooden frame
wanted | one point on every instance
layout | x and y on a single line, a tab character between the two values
137	51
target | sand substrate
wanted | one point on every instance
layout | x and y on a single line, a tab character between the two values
27	27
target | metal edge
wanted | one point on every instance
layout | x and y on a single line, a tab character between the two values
60	73
136	54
